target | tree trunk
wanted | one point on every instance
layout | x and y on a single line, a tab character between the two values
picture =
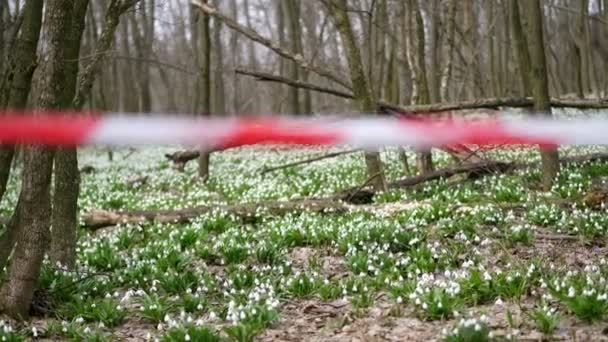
34	201
435	30
521	47
363	97
67	177
448	51
292	14
21	69
414	30
219	94
235	52
205	84
539	82
280	18
129	91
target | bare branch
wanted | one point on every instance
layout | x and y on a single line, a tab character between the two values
256	37
115	9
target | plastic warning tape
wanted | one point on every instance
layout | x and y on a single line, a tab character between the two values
61	129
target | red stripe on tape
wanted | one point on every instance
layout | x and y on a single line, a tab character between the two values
49	129
268	131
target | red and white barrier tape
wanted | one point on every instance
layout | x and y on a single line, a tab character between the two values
369	132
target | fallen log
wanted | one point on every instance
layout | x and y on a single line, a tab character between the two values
359	195
103	218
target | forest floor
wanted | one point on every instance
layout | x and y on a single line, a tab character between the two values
488	259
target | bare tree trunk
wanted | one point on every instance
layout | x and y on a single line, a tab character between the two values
521	47
129	92
539	82
23	61
417	60
219	94
34	201
205	83
234	47
67	177
253	62
20	71
448	51
435	29
338	10
280	18
292	14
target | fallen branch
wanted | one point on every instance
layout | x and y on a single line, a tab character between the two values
307	161
359	196
496	103
102	218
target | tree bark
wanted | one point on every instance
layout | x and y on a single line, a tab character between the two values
361	91
540	83
34	201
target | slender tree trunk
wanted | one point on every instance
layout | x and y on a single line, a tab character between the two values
219	94
129	91
67	177
435	29
521	47
363	96
205	83
21	69
417	60
280	18
34	202
292	14
235	51
448	51
253	62
539	82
